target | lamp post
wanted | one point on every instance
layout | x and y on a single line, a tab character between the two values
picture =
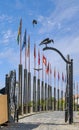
70	63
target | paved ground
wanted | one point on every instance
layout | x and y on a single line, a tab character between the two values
45	121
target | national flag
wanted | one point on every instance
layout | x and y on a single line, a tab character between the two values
28	51
47	69
54	73
18	35
58	76
44	60
34	50
62	76
19	31
24	40
38	57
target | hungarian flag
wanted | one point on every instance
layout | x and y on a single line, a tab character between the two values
38	57
34	50
44	60
24	40
47	69
19	31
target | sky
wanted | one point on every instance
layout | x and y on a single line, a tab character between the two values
56	19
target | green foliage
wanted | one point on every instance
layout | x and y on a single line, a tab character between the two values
30	104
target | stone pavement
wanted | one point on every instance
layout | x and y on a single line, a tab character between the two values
45	121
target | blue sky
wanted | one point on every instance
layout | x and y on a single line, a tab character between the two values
57	19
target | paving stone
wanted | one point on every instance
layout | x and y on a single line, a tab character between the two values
45	121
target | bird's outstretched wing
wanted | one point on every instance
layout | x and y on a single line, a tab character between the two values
49	41
45	40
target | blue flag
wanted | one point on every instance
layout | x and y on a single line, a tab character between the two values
24	40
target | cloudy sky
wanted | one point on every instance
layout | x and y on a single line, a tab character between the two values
57	19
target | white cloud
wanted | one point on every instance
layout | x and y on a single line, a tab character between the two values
4	18
7	37
64	12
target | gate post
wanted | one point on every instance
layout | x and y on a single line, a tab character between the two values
71	93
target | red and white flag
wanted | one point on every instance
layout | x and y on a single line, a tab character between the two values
44	60
47	69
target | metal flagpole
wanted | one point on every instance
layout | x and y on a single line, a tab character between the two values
54	89
29	77
46	90
77	96
38	81
21	41
42	86
25	77
34	82
58	90
50	87
20	72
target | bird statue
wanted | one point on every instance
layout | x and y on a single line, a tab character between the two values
46	41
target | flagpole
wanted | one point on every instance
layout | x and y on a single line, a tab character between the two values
54	89
25	52
20	70
58	90
62	91
29	53
42	69
25	76
42	87
34	59
38	82
21	41
34	83
50	87
38	63
77	96
46	90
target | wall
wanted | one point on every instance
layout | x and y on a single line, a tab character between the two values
3	109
